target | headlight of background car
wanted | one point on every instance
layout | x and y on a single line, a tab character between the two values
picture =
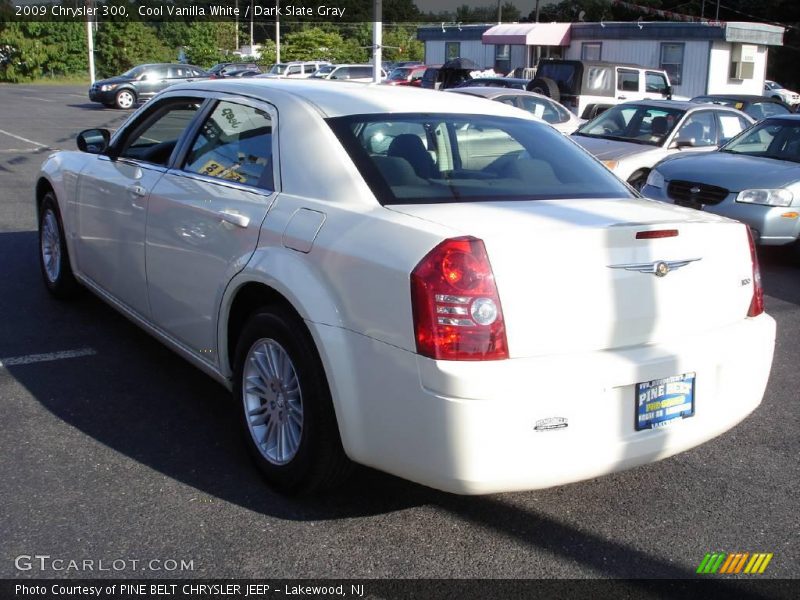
108	87
655	179
778	197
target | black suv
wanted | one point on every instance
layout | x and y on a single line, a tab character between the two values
141	83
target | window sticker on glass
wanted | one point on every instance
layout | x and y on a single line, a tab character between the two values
538	110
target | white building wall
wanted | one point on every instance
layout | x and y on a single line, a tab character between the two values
719	69
472	49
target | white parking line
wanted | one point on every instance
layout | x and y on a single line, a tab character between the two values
22	139
37	98
50	356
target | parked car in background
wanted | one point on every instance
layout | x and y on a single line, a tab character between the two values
777	91
435	285
295	70
539	106
224	69
244	73
630	138
430	78
141	83
754	178
360	73
585	86
411	75
757	107
496	82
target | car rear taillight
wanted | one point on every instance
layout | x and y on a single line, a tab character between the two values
457	312
757	303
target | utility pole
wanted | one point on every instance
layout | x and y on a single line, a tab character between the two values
499	12
377	40
717	17
90	40
537	11
277	31
252	50
236	31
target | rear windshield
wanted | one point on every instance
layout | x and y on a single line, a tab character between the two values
566	75
435	158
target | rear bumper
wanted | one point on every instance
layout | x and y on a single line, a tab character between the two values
469	427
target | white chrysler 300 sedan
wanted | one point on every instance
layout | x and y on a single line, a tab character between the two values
430	284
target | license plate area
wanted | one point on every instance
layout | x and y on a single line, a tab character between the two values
661	402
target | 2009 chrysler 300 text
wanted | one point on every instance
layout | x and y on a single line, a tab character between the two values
431	284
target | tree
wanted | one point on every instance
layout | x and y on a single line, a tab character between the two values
122	45
316	43
201	44
403	43
37	48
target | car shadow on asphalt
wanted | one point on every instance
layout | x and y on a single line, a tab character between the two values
141	400
778	271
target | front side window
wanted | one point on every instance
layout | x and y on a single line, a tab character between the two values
434	158
700	128
157	134
639	124
655	83
234	144
672	61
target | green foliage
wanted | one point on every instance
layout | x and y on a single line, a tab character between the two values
29	50
403	43
201	44
317	43
122	45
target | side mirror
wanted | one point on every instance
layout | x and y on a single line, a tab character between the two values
681	144
93	141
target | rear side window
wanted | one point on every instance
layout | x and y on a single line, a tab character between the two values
599	81
543	109
434	158
234	144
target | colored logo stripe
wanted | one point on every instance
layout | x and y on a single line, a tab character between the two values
733	563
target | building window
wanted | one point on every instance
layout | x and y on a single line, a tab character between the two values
672	61
591	50
452	50
502	58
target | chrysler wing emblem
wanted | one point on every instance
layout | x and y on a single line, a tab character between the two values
659	268
694	191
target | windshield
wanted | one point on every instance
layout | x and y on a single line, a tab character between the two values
434	158
400	74
772	85
771	139
639	124
134	73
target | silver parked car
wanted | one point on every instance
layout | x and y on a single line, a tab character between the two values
539	106
754	178
630	138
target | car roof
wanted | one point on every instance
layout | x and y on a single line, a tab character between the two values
491	92
679	104
738	97
344	98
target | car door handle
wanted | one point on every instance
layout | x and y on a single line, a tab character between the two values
234	218
622	97
137	190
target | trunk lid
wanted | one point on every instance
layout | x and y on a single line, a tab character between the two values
559	270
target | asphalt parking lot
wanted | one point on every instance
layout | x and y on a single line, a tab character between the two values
114	448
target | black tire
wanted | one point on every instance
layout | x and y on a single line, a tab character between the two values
638	179
546	87
53	255
318	462
125	99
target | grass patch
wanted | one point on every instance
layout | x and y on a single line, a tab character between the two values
60	80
